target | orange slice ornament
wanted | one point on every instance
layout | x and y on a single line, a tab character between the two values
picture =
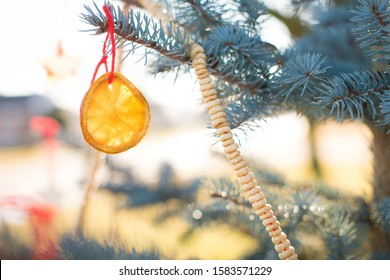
114	117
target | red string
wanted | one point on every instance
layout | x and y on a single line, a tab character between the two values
110	33
110	36
104	53
102	61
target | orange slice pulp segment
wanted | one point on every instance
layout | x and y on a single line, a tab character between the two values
114	117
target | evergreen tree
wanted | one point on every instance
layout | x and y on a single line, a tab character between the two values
336	69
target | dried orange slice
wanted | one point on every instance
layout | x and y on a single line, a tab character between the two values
114	117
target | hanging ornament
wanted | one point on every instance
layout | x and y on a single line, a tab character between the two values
60	66
114	115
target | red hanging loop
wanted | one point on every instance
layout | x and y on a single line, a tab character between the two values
110	22
110	36
102	61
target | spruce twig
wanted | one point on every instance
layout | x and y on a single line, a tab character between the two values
166	38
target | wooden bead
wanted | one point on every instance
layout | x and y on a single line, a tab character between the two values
218	122
197	60
254	191
279	239
282	246
242	172
288	253
223	129
232	155
274	229
256	197
209	92
248	186
227	143
201	72
260	210
267	214
205	81
207	86
212	103
249	177
237	159
259	204
269	220
239	165
226	136
232	148
199	67
215	110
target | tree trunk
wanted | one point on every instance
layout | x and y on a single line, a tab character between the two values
315	162
380	240
381	162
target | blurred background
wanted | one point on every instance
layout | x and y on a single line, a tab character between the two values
46	68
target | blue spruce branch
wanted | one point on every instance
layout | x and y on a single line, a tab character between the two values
372	19
355	95
340	235
243	51
381	214
333	38
251	10
171	41
301	75
82	248
197	16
